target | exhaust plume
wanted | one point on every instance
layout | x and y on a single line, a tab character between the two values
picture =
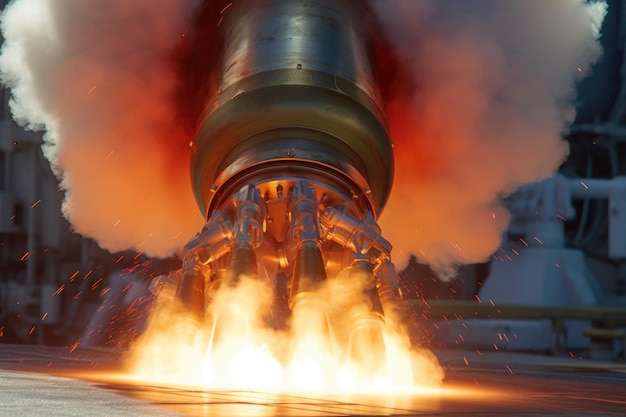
99	78
236	347
490	90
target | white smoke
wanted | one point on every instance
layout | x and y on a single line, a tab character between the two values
98	77
493	89
492	85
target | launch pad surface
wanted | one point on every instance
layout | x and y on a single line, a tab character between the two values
52	381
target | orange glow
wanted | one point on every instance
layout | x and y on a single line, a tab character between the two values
473	113
421	400
236	350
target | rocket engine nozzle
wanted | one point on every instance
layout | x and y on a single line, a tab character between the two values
292	158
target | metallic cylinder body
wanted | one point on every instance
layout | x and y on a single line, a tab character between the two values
243	263
309	272
294	98
389	292
190	290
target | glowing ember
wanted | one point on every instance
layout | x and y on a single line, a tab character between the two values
235	349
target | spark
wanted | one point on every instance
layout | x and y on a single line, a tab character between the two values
32	330
110	154
579	69
95	284
466	361
596	399
523	241
117	222
91	90
35	204
226	7
584	185
477	298
25	256
455	245
510	370
44	316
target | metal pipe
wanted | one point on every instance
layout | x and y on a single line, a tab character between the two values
309	269
596	187
364	281
388	290
214	241
248	234
191	288
243	263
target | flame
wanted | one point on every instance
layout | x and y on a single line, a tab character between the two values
236	349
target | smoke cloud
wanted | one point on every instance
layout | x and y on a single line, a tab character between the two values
491	90
99	77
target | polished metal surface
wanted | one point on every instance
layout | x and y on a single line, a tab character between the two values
294	99
49	381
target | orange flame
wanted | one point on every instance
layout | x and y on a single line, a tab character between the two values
235	349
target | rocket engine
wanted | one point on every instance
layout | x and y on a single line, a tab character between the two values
292	161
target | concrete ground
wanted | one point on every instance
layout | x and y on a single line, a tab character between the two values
52	381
